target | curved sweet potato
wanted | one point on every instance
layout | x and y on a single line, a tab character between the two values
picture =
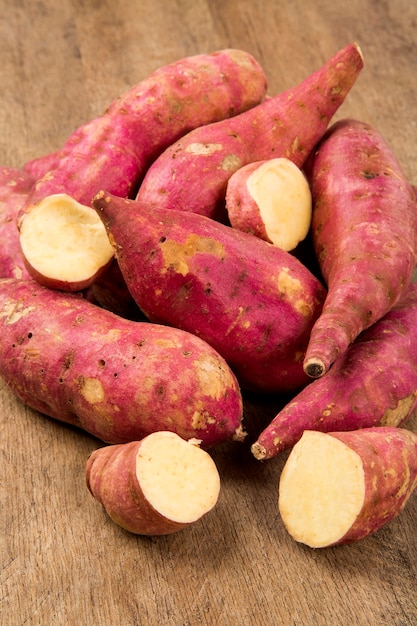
115	378
192	173
253	302
364	230
374	382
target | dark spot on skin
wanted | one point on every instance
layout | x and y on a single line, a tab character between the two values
30	335
101	363
369	175
162	239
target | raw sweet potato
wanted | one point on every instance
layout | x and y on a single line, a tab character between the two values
41	165
155	486
15	184
115	378
192	173
341	487
374	382
270	199
253	302
115	150
364	230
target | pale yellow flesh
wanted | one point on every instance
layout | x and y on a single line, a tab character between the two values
64	240
177	477
282	194
321	491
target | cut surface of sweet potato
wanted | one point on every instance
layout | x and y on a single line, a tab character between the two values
64	243
321	490
179	479
281	192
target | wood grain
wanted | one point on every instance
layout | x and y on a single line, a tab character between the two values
63	562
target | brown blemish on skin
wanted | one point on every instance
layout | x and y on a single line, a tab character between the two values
200	419
203	149
13	312
393	417
231	163
291	288
213	379
175	254
91	389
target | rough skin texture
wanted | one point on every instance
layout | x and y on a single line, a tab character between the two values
389	458
364	230
41	165
253	302
112	479
373	383
15	186
192	174
117	379
116	148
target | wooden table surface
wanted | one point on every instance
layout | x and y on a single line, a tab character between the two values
63	562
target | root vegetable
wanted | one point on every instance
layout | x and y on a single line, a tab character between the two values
15	184
155	486
115	150
253	302
373	383
41	165
115	378
272	200
364	230
192	173
338	488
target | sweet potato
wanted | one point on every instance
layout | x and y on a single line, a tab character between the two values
192	173
155	486
374	382
41	165
15	184
270	199
337	488
253	302
364	230
115	378
115	150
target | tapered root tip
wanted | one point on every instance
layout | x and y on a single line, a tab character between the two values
258	451
314	368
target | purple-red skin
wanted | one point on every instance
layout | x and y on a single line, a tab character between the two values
111	479
389	459
364	231
15	185
373	383
253	302
192	174
117	379
116	148
41	165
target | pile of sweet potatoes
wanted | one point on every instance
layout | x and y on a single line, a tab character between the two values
203	239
